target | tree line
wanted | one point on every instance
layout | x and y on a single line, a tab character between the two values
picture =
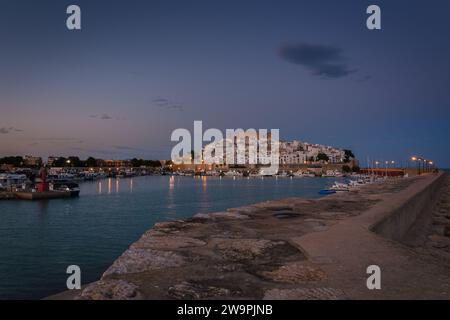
73	161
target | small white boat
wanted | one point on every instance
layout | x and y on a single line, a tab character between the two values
268	172
231	174
309	175
340	187
356	183
332	174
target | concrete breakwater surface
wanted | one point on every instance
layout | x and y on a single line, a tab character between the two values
295	249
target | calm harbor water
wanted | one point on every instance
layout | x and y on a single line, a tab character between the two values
40	239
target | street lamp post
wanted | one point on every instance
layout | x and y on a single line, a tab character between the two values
386	167
415	159
431	163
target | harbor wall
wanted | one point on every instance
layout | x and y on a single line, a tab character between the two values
402	212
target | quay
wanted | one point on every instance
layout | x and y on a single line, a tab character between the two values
296	248
36	195
6	195
42	195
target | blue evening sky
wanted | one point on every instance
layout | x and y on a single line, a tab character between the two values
140	69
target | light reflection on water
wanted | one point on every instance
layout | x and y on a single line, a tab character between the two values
40	239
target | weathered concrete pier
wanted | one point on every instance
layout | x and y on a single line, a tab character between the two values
296	249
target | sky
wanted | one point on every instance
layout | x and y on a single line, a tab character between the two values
140	69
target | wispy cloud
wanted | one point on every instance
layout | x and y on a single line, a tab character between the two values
105	116
59	141
167	104
127	148
161	102
175	107
322	60
6	130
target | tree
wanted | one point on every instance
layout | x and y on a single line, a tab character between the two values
346	169
154	163
356	169
16	161
60	162
91	162
323	156
74	162
348	155
136	163
169	163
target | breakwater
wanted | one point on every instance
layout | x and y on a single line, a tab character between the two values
293	248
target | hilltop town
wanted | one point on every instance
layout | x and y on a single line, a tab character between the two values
293	155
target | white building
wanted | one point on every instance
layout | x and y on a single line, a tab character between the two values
296	152
291	152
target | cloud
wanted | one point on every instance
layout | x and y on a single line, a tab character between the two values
126	148
5	130
321	60
56	141
161	102
105	116
61	139
167	104
176	107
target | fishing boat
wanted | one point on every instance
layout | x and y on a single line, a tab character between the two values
72	188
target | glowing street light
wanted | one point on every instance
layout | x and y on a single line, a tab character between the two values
414	158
